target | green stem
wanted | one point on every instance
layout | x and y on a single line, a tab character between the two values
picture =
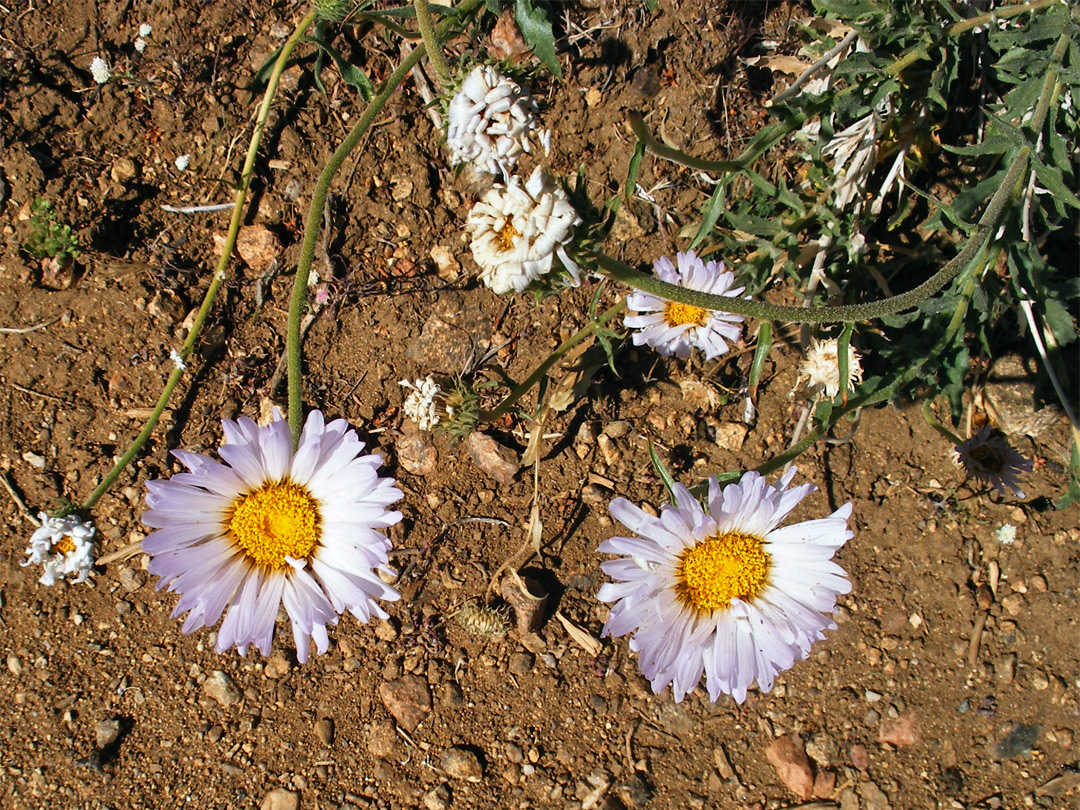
219	274
315	213
432	44
988	223
538	374
998	14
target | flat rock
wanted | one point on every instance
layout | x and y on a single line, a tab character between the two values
499	462
898	731
220	687
106	732
408	700
324	730
415	454
460	762
873	797
792	765
382	740
280	799
859	757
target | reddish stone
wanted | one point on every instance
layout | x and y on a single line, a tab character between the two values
792	765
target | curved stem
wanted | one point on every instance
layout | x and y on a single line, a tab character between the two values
997	14
432	44
219	274
988	223
315	213
538	374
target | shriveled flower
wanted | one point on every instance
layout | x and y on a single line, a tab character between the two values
821	368
723	591
674	329
63	547
518	230
490	121
422	403
988	456
99	69
274	527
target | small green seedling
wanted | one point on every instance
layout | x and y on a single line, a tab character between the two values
50	237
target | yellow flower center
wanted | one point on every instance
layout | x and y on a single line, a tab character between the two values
681	314
274	522
506	236
721	568
66	545
989	458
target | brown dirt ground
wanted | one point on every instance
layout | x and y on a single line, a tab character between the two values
555	727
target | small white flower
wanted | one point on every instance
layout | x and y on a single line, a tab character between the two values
821	368
99	69
178	361
183	162
489	122
517	231
674	329
420	405
145	29
64	547
1006	535
723	590
140	44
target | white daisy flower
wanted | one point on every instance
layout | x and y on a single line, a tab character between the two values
988	456
821	368
672	328
273	527
518	230
723	591
1006	534
489	122
99	69
63	547
420	405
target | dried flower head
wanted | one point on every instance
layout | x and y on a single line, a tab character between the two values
482	620
821	368
274	527
674	329
518	230
422	404
988	456
723	590
490	121
63	547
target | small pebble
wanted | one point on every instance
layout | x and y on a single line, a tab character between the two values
281	799
408	700
521	663
106	732
131	580
221	688
437	798
324	730
14	665
462	763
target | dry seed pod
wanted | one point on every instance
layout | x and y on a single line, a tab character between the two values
528	598
482	620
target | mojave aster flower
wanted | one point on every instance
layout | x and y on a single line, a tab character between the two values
63	547
518	230
489	121
988	456
821	368
723	590
273	527
672	328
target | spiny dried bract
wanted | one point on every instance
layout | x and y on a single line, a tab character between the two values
489	122
480	620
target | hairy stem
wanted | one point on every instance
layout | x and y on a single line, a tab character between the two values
223	263
432	44
315	213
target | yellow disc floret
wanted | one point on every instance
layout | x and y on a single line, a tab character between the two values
274	522
65	545
681	314
505	236
721	568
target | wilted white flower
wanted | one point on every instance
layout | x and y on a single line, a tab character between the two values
672	328
821	368
64	547
99	69
140	40
183	162
421	403
145	29
274	527
723	591
490	120
988	456
518	230
1006	534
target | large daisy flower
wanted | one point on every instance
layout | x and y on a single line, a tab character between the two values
988	456
723	590
273	527
489	122
518	230
672	328
63	547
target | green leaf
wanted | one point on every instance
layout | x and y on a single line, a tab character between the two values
710	213
632	170
1050	176
1072	492
662	472
534	19
1059	321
